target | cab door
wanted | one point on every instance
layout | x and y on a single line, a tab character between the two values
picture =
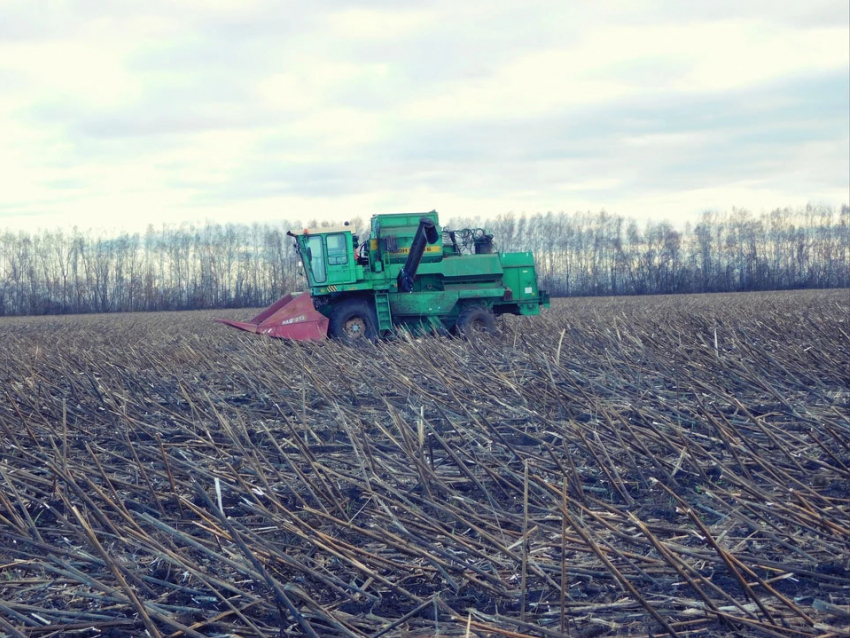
315	262
340	258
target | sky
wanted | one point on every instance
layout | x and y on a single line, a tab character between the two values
117	115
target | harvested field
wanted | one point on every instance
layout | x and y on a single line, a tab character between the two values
632	466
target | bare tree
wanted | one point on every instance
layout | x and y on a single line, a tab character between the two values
583	253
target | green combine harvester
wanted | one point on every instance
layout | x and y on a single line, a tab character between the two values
408	273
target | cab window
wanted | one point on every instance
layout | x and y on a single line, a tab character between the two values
316	255
337	250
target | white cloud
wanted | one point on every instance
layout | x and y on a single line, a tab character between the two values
615	62
237	110
312	87
86	72
371	24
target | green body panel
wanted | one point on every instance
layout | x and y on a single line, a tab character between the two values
466	267
395	234
446	280
520	276
420	304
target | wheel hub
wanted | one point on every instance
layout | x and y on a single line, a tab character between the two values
355	327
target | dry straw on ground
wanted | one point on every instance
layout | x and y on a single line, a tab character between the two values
639	466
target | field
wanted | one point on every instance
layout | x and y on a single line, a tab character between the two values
651	466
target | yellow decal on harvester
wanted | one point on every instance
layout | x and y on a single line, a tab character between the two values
428	249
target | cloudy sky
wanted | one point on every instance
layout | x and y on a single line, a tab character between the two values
116	115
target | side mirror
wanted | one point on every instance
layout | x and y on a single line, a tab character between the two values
309	253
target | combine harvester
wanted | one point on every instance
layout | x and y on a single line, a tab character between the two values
409	273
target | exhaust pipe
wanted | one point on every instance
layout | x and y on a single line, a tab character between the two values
427	231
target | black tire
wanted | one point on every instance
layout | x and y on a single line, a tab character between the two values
476	320
353	322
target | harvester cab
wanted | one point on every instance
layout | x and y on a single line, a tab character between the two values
328	255
409	273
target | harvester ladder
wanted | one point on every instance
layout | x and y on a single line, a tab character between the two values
382	306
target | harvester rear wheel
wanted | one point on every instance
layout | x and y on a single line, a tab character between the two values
353	322
476	320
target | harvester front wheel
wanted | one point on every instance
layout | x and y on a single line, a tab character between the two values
476	319
354	321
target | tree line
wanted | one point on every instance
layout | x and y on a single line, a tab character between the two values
237	265
603	254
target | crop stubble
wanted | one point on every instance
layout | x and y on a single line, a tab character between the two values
632	466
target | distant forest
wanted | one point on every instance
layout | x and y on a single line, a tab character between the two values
237	265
